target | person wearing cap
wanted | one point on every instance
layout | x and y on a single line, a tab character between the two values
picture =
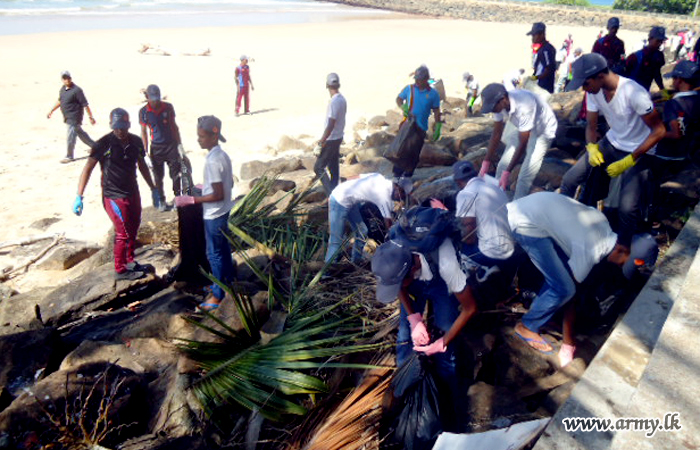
419	100
635	129
484	220
216	206
158	117
545	64
72	101
119	153
565	239
681	117
472	87
408	276
344	204
536	125
644	66
332	136
612	47
244	84
565	73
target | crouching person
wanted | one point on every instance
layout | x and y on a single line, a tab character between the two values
216	205
344	204
565	239
408	276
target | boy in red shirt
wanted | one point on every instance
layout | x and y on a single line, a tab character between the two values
243	81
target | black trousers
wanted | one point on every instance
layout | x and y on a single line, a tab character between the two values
162	154
329	157
414	145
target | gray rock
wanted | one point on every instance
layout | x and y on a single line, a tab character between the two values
141	355
435	155
67	254
378	122
44	224
288	143
255	169
26	355
379	139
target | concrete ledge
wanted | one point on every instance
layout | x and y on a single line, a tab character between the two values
610	382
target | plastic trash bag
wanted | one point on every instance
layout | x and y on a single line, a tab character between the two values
415	395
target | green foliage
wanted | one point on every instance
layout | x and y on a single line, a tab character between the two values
569	2
658	6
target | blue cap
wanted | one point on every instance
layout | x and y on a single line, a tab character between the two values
492	94
585	67
391	263
463	171
119	119
684	69
537	28
422	73
643	254
613	22
153	92
657	33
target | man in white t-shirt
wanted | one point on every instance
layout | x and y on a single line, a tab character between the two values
344	204
536	125
216	205
635	129
565	239
332	136
472	87
512	79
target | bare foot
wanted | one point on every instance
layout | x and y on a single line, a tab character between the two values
533	339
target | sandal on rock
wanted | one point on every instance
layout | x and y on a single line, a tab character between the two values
207	307
541	340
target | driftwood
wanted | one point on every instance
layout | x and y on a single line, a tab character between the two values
29	240
56	239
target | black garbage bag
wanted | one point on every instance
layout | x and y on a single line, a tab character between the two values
415	398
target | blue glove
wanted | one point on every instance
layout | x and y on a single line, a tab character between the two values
78	205
155	196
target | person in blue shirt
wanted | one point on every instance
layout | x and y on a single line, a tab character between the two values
418	100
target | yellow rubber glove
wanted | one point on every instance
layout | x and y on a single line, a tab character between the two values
595	156
533	77
665	95
618	167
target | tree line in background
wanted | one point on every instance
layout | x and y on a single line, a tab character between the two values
659	6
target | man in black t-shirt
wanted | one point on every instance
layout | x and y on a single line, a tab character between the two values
71	100
545	64
119	153
644	66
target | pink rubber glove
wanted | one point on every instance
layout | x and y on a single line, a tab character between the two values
436	347
485	166
505	176
184	200
437	204
566	354
419	334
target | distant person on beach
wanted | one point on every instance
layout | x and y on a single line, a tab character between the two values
644	66
472	87
565	69
332	136
119	153
536	126
166	146
419	100
513	79
72	101
216	206
545	64
244	84
611	47
625	150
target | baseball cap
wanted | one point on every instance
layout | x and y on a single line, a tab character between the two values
211	124
613	22
65	74
643	253
421	73
684	69
585	67
657	33
119	119
492	94
404	183
332	80
463	170
390	263
465	76
243	57
537	27
153	92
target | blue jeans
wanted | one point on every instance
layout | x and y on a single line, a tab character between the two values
559	286
337	214
219	253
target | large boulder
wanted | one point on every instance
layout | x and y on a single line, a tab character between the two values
435	155
26	356
379	139
287	143
67	254
255	169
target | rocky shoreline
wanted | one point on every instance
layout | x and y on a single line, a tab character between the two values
525	12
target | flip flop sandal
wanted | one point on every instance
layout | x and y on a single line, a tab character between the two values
537	341
207	307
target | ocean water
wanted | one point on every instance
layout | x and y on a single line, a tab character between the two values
32	16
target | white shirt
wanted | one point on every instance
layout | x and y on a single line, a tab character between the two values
623	114
473	86
487	203
217	169
511	80
372	188
582	232
448	266
528	112
337	106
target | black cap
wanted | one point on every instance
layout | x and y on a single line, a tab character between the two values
391	263
492	94
657	33
211	124
684	69
537	28
585	67
613	22
119	119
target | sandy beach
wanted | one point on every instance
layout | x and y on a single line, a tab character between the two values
373	57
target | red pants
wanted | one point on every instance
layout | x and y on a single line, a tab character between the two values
243	93
125	214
